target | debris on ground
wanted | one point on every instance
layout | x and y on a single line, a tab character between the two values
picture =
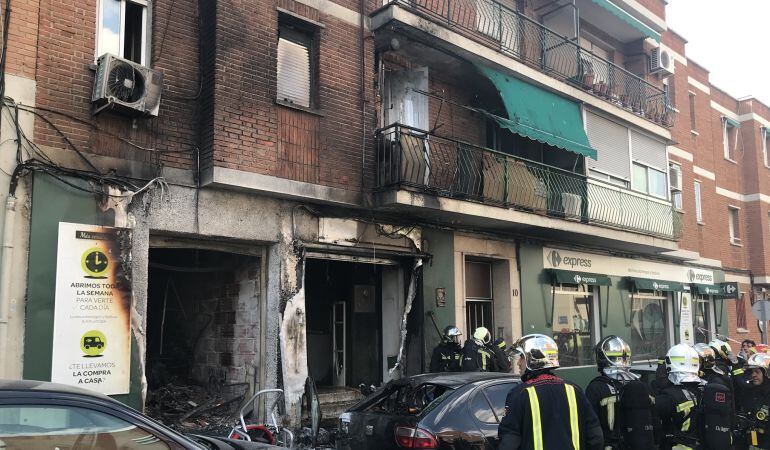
189	408
303	438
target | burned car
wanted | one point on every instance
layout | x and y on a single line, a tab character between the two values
433	411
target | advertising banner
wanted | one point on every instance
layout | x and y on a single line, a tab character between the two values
92	322
685	319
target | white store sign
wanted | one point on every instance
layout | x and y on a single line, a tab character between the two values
554	258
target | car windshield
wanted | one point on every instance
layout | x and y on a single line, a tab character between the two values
409	400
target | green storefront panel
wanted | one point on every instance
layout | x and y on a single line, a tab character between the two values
571	277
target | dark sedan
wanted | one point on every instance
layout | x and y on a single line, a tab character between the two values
41	415
429	411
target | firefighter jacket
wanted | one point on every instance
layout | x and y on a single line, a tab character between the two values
477	357
545	412
677	407
755	407
447	357
502	361
626	412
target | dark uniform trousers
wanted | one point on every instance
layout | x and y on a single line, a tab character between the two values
545	412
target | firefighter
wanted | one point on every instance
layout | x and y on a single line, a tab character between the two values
624	405
725	359
502	360
677	403
754	409
477	357
708	366
447	356
544	411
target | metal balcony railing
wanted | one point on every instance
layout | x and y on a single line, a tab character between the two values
408	158
509	32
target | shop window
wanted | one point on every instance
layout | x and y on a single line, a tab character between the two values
122	29
573	325
702	323
296	64
649	326
479	304
649	181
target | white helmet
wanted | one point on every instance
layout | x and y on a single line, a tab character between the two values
723	350
759	361
683	364
539	351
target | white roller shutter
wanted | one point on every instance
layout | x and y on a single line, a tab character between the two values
648	151
611	143
293	73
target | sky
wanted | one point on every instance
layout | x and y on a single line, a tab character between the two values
730	38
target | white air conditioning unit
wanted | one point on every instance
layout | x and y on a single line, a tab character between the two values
675	177
661	62
126	87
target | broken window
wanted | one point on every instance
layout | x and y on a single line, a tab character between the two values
573	325
479	304
122	29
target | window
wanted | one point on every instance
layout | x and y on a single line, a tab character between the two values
650	181
649	327
122	29
573	325
740	312
56	426
692	111
698	207
481	408
296	64
478	296
730	137
599	175
735	224
703	315
675	181
497	395
765	136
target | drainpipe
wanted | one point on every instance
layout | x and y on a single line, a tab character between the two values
5	278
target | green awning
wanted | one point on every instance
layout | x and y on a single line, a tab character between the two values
731	122
632	21
657	285
571	277
723	290
538	114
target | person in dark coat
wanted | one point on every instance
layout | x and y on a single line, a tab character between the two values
477	357
447	356
545	411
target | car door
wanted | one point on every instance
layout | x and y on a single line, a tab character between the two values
67	424
487	406
372	425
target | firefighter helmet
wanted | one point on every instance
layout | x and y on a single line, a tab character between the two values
613	351
723	350
683	364
483	335
759	361
708	359
452	333
539	352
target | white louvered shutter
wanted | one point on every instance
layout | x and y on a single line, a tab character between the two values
648	150
611	143
293	73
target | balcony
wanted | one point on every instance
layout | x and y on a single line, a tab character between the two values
495	26
412	159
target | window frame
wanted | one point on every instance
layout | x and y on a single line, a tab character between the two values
693	118
734	224
146	30
698	191
665	300
297	30
594	311
729	150
764	134
676	193
710	312
648	174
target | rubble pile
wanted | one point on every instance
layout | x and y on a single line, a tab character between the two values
191	408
